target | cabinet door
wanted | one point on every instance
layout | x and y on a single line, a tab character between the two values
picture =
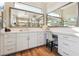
32	39
22	41
25	41
41	39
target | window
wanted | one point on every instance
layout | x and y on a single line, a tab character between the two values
70	14
54	14
54	18
65	16
1	6
53	21
1	20
27	7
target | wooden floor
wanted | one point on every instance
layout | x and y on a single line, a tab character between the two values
39	51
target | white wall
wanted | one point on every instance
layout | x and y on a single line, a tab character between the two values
6	14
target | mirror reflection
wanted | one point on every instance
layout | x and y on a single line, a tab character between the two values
22	18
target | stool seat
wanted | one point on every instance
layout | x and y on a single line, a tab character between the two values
50	44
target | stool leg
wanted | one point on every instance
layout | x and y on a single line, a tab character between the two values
51	45
46	42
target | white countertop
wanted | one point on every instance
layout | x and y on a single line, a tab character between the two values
57	30
14	30
65	30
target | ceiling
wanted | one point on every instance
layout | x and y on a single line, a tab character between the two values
50	6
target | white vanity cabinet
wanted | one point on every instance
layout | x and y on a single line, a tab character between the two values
9	43
68	45
33	39
1	44
14	41
22	41
40	38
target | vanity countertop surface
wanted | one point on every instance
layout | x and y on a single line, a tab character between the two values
67	31
16	30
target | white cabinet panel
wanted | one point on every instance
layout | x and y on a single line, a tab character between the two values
9	49
1	44
22	41
32	39
9	43
41	38
68	44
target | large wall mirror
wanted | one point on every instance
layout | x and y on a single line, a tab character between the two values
64	16
1	20
55	18
23	18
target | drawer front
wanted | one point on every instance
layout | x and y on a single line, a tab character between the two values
62	43
73	46
71	39
68	50
9	42
61	52
40	40
69	45
1	51
9	35
9	49
41	43
22	34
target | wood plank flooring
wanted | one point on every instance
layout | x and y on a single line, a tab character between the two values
39	51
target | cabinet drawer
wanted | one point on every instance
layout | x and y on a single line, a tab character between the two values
65	50
61	52
22	34
1	51
9	50
69	38
41	43
9	35
9	42
9	46
69	50
73	46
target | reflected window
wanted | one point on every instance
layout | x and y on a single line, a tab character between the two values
1	6
65	16
21	18
70	14
53	21
27	7
54	14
